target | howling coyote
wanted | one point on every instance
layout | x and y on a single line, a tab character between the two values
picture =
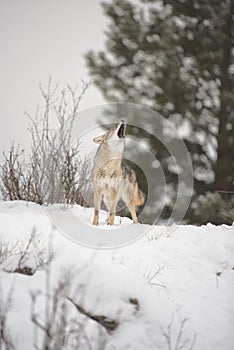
114	179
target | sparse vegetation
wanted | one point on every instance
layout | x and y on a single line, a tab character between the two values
25	257
180	342
53	172
6	341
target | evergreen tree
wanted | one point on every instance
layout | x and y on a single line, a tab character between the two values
176	57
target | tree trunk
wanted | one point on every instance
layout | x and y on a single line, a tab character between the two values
224	163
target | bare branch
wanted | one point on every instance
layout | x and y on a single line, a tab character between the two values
54	171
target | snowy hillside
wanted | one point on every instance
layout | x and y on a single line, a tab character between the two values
172	289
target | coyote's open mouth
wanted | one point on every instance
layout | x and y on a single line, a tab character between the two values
121	131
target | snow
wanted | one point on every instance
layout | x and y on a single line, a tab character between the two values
175	273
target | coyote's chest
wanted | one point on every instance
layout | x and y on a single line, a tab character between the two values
108	177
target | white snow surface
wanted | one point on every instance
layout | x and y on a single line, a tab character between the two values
175	273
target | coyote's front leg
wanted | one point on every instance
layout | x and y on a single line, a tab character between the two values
97	205
112	203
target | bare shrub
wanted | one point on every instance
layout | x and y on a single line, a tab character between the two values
6	342
6	250
57	326
24	257
178	341
54	172
32	255
13	183
150	276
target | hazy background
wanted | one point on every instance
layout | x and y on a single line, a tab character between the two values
41	39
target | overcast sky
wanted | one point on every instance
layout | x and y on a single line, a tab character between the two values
40	38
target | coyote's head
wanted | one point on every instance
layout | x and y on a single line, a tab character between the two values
114	134
111	144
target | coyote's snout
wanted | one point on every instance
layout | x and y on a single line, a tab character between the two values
113	179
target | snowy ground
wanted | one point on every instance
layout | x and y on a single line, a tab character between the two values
170	290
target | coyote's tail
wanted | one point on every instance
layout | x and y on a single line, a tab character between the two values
139	198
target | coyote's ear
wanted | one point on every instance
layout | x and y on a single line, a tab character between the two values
98	139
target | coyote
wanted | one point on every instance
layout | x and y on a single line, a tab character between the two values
113	178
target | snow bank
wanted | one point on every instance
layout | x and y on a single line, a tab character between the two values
173	281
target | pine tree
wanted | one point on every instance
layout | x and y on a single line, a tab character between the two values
176	57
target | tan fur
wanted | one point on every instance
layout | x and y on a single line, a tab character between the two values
113	179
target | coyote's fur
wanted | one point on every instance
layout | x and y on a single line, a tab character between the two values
114	179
